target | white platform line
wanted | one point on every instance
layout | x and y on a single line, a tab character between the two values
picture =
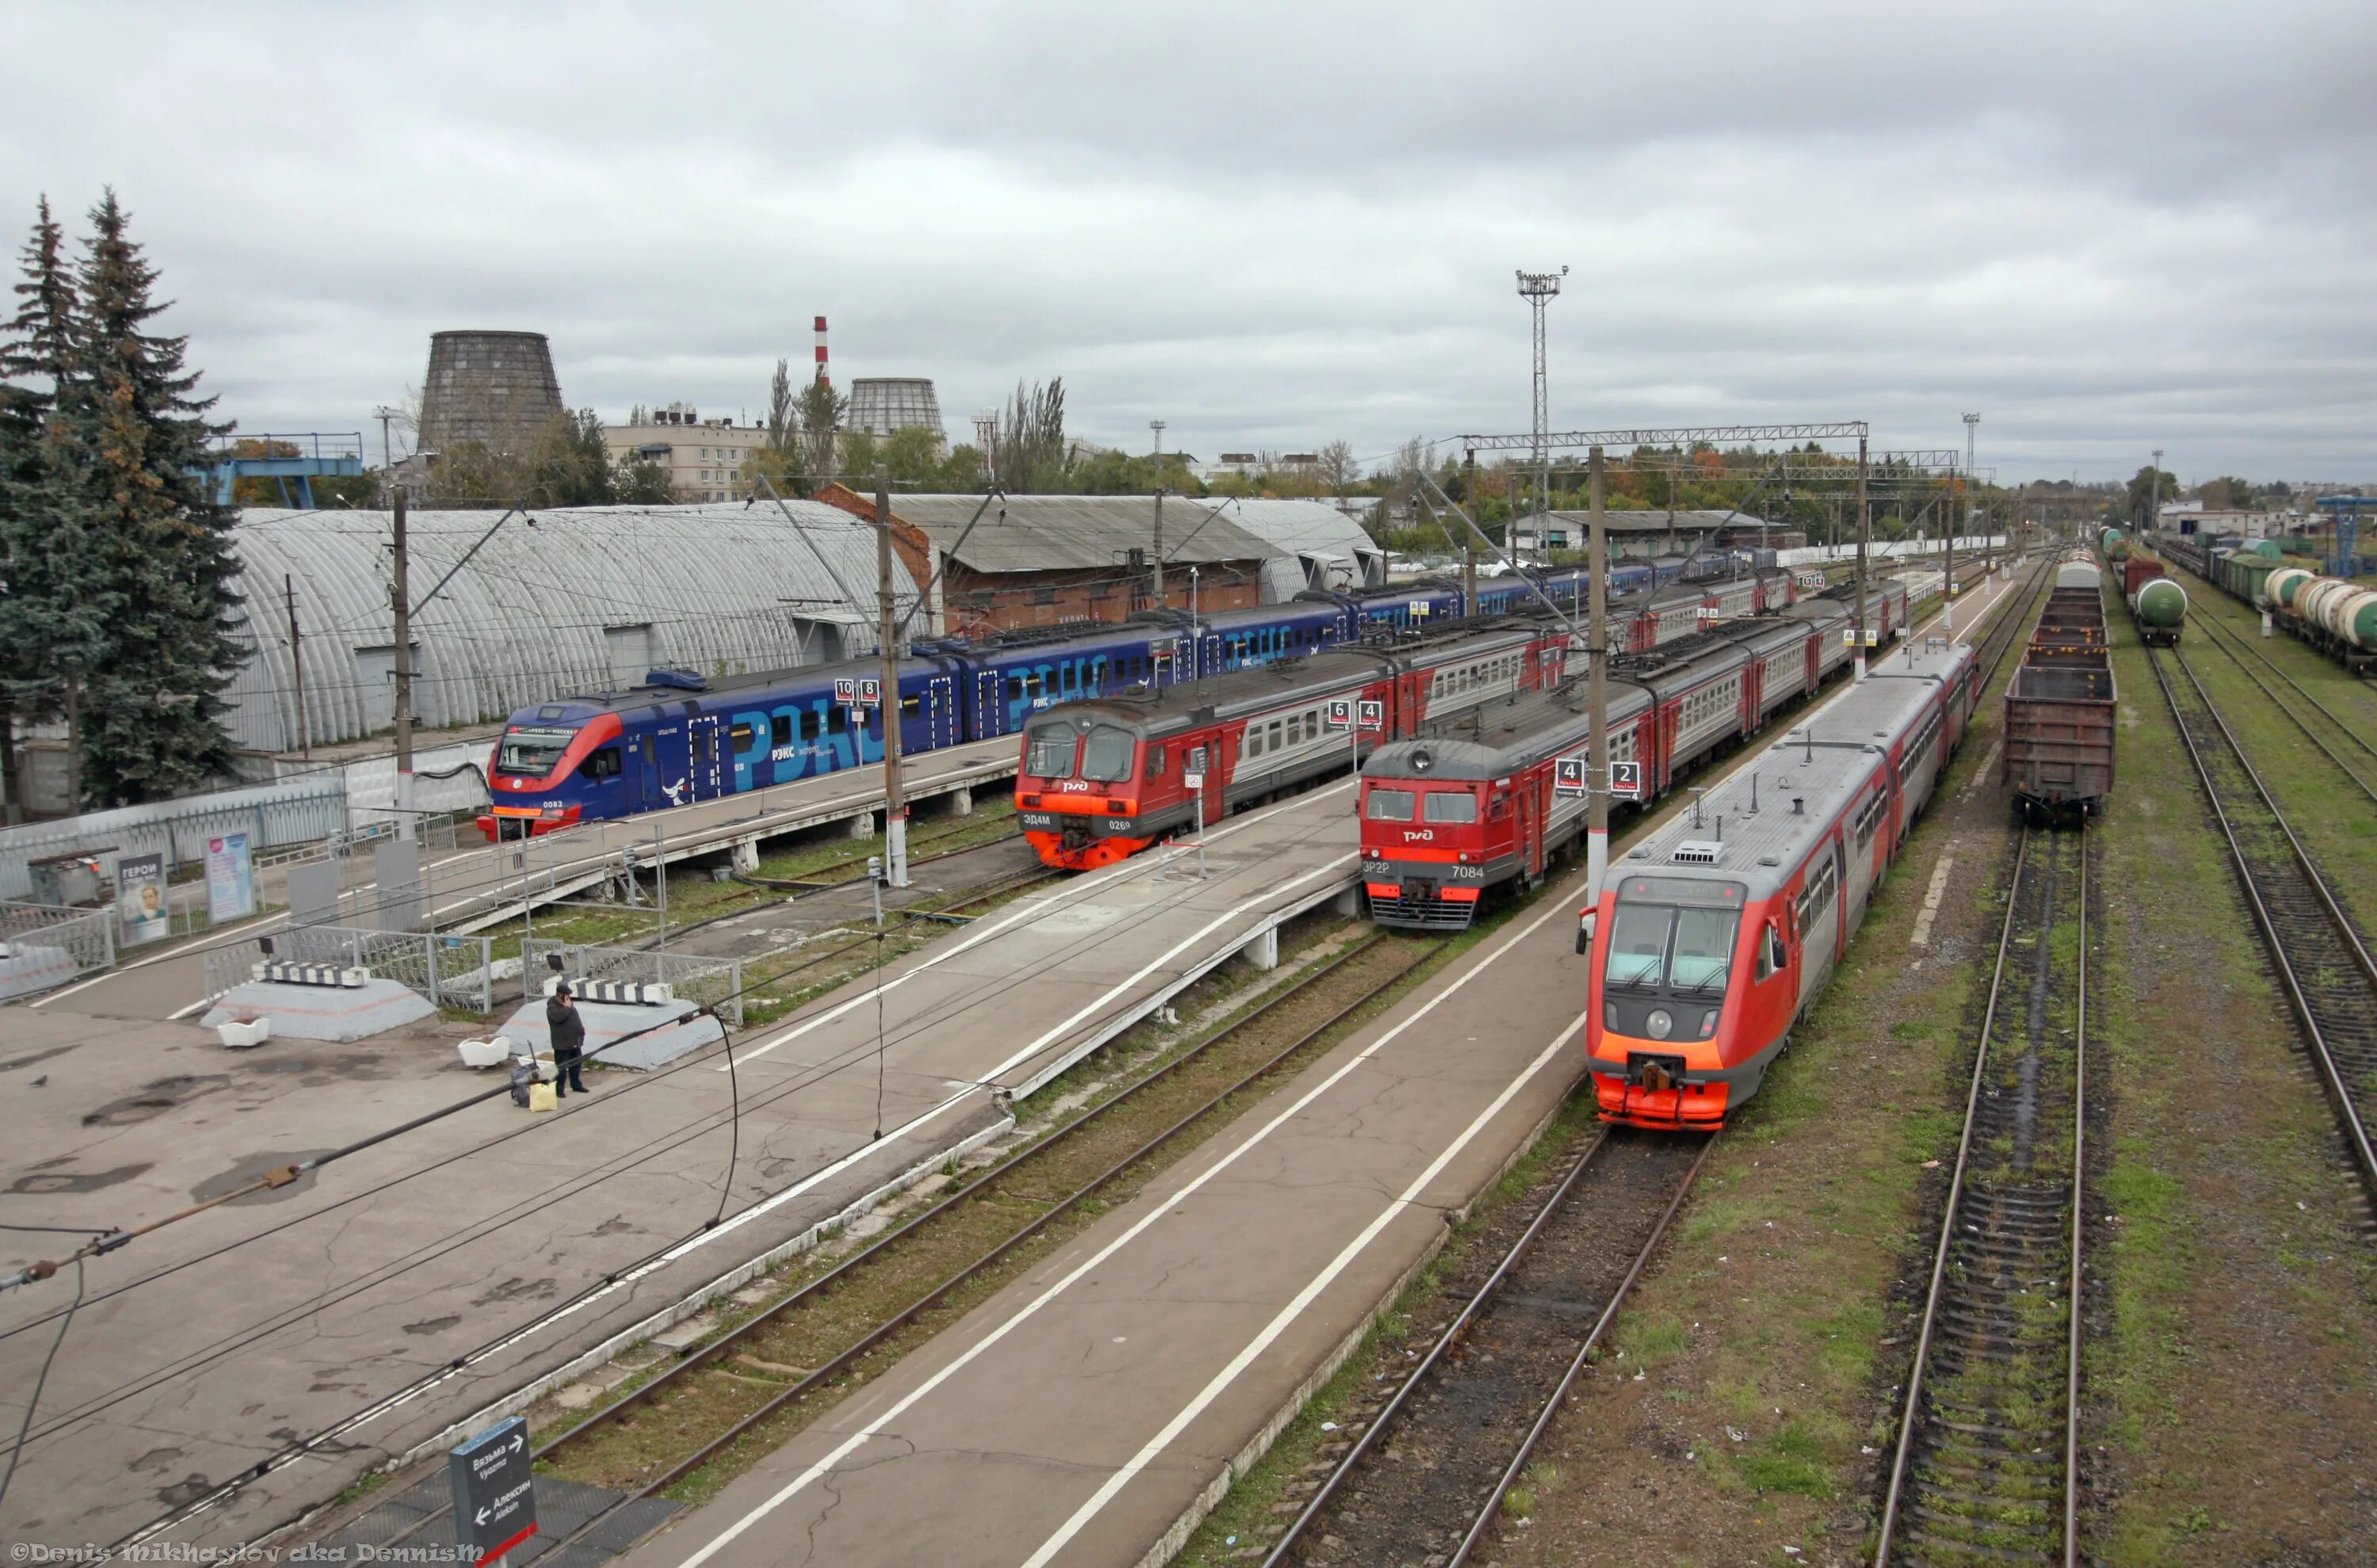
1155	1212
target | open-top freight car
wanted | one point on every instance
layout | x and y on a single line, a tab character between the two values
2060	707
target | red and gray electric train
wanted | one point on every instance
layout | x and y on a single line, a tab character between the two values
1471	802
1711	940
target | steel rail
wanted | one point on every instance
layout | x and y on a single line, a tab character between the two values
2354	1126
1911	1407
1576	1366
2236	647
849	1355
2073	1285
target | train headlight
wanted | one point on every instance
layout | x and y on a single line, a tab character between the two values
1660	1024
1609	1015
1708	1024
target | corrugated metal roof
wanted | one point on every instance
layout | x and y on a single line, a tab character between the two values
1072	532
1652	522
1343	555
585	600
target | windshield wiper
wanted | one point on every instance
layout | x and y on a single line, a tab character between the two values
1715	979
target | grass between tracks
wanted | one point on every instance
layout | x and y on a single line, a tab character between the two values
2223	1380
628	1451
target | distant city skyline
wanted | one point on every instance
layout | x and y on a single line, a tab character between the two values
1895	217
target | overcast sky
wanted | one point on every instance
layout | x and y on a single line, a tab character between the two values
2105	228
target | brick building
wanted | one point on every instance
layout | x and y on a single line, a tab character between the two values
1046	560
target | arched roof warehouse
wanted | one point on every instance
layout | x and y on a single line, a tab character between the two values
583	600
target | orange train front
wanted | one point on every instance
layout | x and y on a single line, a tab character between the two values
1713	938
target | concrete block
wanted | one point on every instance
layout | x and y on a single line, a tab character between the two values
320	1012
960	801
1263	951
746	856
863	825
1348	903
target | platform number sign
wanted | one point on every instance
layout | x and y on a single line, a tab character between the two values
870	693
1374	714
1568	776
845	690
1626	780
1341	713
495	1493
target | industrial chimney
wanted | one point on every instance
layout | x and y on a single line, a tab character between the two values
821	374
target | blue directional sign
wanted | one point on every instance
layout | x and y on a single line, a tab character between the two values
494	1495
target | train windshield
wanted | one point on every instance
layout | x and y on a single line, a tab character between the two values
1452	805
1106	755
534	753
1673	935
1388	805
1048	751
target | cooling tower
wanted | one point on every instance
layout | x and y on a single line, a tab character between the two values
881	404
496	387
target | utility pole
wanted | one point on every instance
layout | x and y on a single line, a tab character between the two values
1971	420
887	632
2153	506
1469	545
1157	426
1539	289
1865	530
297	657
402	593
1948	572
1158	600
1597	686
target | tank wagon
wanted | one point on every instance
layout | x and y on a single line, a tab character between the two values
1708	942
2058	707
1102	778
2157	603
2335	615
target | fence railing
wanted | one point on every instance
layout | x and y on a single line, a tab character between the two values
694	978
449	971
47	947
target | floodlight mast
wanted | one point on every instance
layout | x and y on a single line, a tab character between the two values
1539	289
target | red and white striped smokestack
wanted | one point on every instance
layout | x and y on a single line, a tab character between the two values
821	374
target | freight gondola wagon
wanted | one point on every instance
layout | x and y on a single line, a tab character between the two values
2060	708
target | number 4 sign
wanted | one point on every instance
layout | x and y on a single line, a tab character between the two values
1568	776
1374	715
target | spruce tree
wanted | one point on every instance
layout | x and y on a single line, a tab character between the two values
53	608
162	545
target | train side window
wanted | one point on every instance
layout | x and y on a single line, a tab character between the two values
740	737
1155	759
601	764
837	720
1771	956
782	729
912	706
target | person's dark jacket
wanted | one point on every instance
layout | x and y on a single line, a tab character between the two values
568	1029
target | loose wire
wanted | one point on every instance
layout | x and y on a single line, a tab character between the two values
16	1448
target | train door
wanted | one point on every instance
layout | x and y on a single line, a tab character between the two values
702	745
1528	828
643	773
1818	915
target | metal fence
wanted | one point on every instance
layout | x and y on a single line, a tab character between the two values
47	947
450	971
694	978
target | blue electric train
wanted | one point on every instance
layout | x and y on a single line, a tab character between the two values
681	738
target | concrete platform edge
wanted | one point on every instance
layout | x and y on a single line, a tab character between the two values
684	1307
1176	1537
1186	978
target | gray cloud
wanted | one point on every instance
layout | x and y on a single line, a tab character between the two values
2108	228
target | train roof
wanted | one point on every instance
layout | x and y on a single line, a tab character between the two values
1163	709
1744	830
1497	739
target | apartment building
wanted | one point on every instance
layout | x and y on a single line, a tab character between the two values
703	457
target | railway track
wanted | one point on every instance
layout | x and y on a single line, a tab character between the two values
1424	1479
1987	1463
2328	730
747	1391
2323	962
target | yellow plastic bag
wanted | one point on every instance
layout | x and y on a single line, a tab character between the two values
541	1097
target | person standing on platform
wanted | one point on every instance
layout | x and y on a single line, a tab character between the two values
568	1032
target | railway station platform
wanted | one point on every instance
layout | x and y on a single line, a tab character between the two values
1093	1411
480	885
421	1284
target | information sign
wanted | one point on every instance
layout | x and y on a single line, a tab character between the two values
845	690
140	899
1568	776
1626	780
1341	713
870	693
495	1494
1193	780
231	890
1374	714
